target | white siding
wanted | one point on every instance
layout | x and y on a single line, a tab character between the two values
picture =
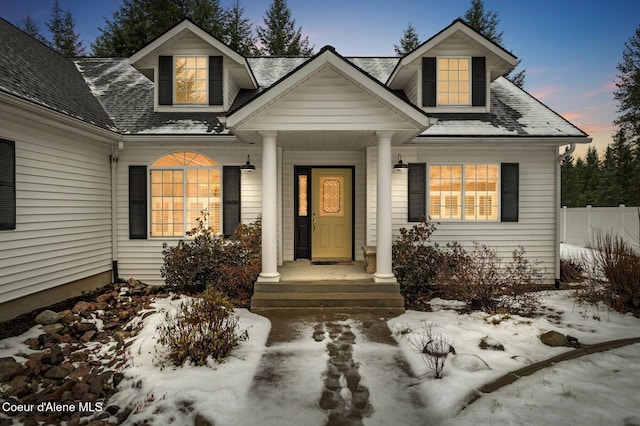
322	158
63	210
330	100
536	228
142	259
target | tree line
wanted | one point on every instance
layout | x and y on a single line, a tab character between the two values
614	179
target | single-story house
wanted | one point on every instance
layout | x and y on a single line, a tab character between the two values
102	160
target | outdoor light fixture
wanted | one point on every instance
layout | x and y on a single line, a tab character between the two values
400	166
248	167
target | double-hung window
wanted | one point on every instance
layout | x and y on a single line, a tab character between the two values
183	184
464	191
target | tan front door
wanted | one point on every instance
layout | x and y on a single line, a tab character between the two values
332	217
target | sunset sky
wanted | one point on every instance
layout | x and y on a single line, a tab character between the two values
569	48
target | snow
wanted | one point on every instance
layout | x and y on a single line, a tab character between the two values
601	388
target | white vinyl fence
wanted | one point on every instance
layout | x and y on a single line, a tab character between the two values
579	225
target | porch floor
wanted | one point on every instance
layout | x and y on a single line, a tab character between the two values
303	271
304	285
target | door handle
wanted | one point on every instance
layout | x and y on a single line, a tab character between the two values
315	222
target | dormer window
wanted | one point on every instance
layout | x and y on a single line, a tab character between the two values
191	79
454	81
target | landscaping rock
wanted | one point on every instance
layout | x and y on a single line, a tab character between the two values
9	368
54	328
56	373
83	327
55	357
82	307
491	344
553	338
47	317
19	387
328	400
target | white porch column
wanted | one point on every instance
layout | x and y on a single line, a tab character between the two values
269	209
384	272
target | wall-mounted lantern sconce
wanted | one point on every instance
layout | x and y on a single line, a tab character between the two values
400	166
248	167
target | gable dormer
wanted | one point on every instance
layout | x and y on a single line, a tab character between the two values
452	71
193	71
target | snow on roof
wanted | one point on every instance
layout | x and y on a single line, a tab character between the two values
128	96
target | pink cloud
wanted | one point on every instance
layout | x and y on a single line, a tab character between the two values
544	92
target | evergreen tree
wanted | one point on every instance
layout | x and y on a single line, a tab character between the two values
486	23
625	170
609	191
568	183
238	32
408	42
279	36
589	178
65	40
627	91
208	15
30	26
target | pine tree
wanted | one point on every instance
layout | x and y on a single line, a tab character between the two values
208	15
589	178
486	23
279	37
65	40
408	42
627	91
238	31
568	183
30	26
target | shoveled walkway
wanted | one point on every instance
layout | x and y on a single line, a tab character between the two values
348	360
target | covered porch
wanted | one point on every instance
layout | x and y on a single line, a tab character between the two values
326	105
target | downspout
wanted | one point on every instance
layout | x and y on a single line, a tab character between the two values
567	152
114	217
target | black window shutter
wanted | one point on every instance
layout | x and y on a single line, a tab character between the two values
509	180
417	191
7	184
478	81
137	202
428	82
230	199
165	80
215	80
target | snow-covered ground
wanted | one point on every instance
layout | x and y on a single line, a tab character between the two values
602	388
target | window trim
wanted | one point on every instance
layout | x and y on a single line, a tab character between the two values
463	194
186	228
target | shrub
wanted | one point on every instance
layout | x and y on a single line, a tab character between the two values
202	327
613	275
485	282
433	348
415	260
230	265
571	271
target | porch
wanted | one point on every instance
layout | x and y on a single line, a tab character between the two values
306	285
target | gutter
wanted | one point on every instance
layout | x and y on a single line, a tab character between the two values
567	152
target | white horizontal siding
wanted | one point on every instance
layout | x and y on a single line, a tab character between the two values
330	100
322	158
536	228
142	259
63	210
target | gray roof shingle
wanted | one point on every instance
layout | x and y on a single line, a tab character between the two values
33	72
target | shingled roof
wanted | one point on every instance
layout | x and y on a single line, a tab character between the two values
33	72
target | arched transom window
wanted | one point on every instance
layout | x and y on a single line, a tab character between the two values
182	185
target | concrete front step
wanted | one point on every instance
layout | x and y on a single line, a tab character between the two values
327	294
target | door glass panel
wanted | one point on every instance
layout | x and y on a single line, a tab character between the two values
302	195
331	196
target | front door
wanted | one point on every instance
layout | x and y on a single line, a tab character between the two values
332	213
